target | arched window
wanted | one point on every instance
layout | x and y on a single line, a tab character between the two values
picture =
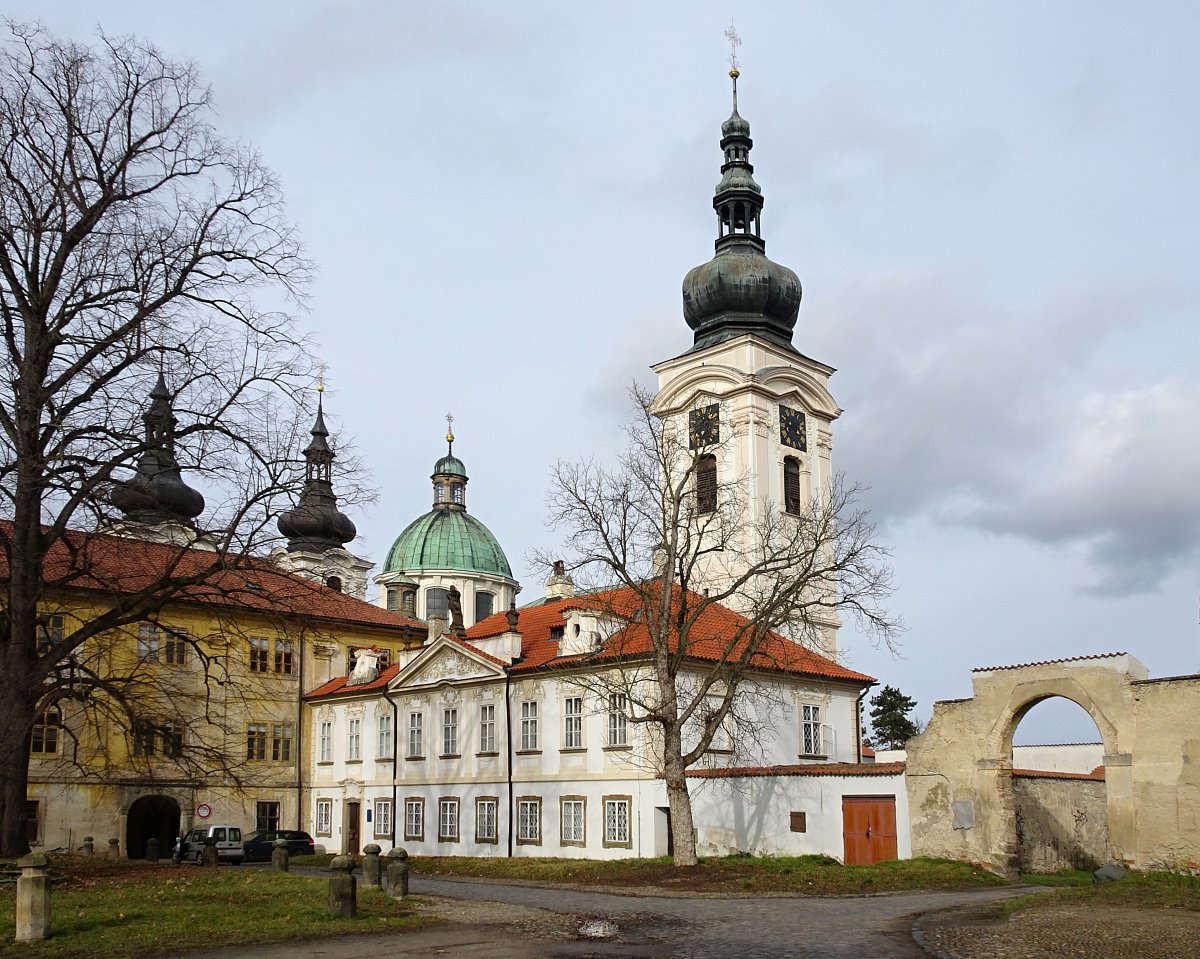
334	583
437	602
485	603
791	485
706	484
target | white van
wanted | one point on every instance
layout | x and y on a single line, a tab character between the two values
228	840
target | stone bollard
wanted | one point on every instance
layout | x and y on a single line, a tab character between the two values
397	872
208	855
280	857
152	849
114	848
343	888
89	846
371	866
33	898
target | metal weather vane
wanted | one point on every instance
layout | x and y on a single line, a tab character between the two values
735	41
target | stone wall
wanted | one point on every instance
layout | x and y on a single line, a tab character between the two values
1061	823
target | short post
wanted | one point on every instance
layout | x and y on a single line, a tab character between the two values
397	872
152	849
343	888
33	898
280	857
371	866
114	848
89	846
208	855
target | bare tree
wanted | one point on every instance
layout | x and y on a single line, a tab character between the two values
665	557
133	241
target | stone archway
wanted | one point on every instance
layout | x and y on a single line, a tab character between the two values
959	770
151	816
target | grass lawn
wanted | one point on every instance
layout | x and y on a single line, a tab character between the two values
797	875
106	908
1138	890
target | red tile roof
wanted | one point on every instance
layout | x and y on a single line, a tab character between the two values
123	566
815	769
1095	774
1047	662
708	640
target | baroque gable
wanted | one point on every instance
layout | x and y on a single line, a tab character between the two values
445	661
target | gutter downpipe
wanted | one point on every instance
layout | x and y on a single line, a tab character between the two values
395	758
508	754
858	722
300	739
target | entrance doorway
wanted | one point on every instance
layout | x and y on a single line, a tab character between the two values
353	815
151	816
868	829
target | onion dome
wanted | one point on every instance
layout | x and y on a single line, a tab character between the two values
315	523
448	537
739	290
157	493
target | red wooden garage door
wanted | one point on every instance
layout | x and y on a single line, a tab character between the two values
868	829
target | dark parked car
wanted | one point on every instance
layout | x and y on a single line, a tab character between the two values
259	844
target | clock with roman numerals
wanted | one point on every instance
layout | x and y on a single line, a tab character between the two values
792	430
704	426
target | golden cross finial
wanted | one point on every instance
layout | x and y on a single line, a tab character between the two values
734	42
449	428
321	368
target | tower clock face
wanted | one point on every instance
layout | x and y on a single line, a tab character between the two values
792	431
704	426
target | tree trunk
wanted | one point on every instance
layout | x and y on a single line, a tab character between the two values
16	718
683	831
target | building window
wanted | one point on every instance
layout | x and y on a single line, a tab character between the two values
456	493
487	728
148	642
437	602
485	603
256	741
50	631
326	741
408	602
266	816
616	821
439	493
32	819
791	485
383	818
485	819
281	743
529	821
393	600
449	732
529	725
172	739
258	654
384	750
283	656
722	740
414	819
618	720
706	484
573	723
324	817
47	727
416	745
810	730
448	820
354	741
143	738
572	820
175	647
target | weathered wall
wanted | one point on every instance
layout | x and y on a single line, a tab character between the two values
959	773
1061	823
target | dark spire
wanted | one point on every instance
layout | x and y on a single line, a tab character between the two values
739	290
157	493
315	523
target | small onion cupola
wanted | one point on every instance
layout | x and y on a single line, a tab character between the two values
157	493
315	523
739	290
449	477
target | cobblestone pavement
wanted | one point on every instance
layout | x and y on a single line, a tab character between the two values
502	921
1062	932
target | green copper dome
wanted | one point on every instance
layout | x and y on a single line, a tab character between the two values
450	466
447	539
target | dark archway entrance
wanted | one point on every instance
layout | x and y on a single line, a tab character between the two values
156	816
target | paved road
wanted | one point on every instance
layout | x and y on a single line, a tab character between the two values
540	923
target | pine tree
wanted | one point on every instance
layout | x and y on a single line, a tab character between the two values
891	724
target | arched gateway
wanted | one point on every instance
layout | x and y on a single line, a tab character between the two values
151	816
959	771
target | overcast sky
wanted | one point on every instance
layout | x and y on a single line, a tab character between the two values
994	210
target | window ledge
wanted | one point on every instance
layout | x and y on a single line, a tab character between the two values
718	752
384	759
573	749
488	755
353	762
414	759
813	756
616	749
325	762
529	752
450	756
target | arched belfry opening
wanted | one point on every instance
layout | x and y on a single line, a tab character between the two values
1059	795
